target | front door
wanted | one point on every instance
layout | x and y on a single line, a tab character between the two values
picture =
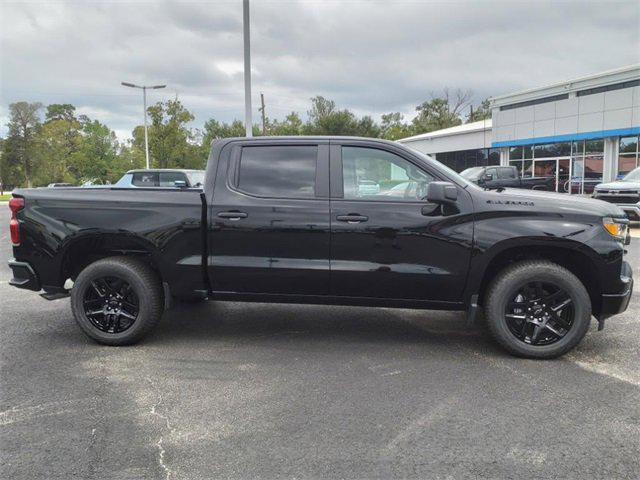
386	240
270	219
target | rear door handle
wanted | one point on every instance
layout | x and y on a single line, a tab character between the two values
352	218
232	215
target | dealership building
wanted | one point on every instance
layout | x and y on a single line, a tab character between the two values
582	131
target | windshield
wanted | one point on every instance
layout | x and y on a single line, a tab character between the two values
632	176
196	179
442	166
471	173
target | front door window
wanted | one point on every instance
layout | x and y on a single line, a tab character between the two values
372	174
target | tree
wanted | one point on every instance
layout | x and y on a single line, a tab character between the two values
367	127
324	119
482	112
171	142
59	143
60	111
393	126
21	143
97	157
441	112
291	125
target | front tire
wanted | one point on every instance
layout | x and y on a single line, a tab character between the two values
117	300
537	309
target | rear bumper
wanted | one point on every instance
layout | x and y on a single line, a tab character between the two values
24	276
615	303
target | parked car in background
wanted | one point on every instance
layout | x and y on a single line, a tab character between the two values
60	185
507	177
174	178
281	219
625	193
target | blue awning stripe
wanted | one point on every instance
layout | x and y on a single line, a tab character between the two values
619	132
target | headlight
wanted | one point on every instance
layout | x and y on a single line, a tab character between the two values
617	227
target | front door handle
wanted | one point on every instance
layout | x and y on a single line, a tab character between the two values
232	215
352	218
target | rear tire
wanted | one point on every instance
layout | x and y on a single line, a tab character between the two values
537	309
117	300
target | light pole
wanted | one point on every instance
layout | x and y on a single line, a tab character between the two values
144	103
248	125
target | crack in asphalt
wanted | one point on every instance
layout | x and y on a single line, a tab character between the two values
159	444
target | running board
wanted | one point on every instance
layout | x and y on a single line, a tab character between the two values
54	295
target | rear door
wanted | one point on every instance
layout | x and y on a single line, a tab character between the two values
270	219
386	241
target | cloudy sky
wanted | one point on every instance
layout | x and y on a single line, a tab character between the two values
370	56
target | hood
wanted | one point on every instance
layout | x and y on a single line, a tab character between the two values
552	202
619	185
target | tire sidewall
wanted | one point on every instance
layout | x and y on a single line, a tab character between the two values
506	288
111	269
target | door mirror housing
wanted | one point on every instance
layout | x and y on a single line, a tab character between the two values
487	177
442	192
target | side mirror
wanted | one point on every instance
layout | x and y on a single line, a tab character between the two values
442	192
488	177
180	184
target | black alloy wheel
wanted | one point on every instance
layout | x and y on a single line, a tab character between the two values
540	313
110	304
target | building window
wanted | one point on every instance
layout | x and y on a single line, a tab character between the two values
515	153
463	159
627	155
608	88
537	101
552	150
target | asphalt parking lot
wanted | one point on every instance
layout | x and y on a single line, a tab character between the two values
226	390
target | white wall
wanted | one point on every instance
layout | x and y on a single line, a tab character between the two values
449	143
611	110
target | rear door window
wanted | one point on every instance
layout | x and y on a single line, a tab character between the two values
168	179
492	172
507	173
281	171
145	179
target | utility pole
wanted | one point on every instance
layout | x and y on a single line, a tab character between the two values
247	69
144	112
264	123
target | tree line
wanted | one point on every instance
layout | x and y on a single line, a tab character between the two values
53	144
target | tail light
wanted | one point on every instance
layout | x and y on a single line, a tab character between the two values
15	204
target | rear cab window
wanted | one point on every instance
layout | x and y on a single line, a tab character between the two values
278	171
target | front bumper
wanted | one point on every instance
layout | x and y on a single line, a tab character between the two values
24	276
615	303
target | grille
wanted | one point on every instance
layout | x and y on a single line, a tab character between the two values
619	198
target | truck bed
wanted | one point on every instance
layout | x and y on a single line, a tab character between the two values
60	224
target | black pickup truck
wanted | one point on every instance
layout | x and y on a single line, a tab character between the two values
507	177
299	220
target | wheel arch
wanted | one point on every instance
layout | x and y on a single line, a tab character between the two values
575	257
81	251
